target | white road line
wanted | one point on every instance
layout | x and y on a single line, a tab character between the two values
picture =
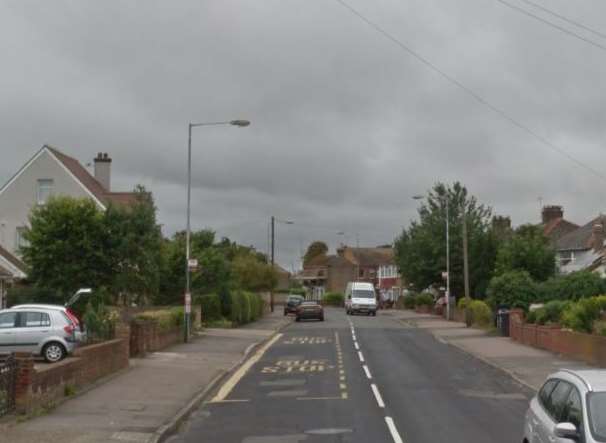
393	430
234	379
367	372
357	345
375	391
361	356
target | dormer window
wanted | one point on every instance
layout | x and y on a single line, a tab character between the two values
45	190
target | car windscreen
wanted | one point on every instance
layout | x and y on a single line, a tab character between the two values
363	293
597	415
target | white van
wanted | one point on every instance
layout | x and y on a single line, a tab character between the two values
360	298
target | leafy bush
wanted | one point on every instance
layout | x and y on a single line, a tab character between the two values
481	313
166	319
462	303
573	286
515	289
226	301
582	314
99	322
531	317
256	305
408	301
551	312
211	307
424	299
246	307
333	299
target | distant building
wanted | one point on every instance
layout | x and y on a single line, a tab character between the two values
554	225
331	273
583	248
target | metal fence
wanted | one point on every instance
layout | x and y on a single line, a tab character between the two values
8	381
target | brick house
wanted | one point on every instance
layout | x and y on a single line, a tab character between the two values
331	273
554	225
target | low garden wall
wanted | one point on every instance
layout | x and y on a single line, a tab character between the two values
588	348
43	386
148	336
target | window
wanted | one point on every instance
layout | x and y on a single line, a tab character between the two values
21	241
573	410
7	320
557	400
545	392
45	190
34	320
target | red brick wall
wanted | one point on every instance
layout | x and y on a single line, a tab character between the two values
43	386
146	337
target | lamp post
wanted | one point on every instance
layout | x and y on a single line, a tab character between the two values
187	301
445	203
273	244
468	319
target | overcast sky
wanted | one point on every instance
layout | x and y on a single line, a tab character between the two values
346	127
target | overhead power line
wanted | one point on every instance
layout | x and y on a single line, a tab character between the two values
472	93
566	19
553	25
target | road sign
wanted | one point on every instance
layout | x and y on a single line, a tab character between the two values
187	303
192	263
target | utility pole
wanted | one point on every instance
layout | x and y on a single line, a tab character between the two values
273	236
446	202
468	319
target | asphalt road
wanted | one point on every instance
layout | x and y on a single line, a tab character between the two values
360	379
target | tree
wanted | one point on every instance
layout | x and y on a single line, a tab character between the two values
67	246
515	289
316	248
134	241
528	250
421	249
252	274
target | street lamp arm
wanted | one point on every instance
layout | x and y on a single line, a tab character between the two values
240	123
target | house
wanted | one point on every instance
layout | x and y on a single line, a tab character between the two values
554	225
11	270
331	273
50	172
583	248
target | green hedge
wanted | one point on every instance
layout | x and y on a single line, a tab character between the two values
481	313
246	307
424	299
333	299
211	307
166	319
550	313
408	301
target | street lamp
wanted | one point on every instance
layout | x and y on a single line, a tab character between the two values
273	242
468	319
187	301
445	203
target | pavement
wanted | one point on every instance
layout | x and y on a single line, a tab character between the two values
360	379
527	365
138	404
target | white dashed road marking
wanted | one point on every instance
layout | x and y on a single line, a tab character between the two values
367	372
393	430
375	391
361	356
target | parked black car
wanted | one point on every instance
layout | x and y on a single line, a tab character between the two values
292	302
310	310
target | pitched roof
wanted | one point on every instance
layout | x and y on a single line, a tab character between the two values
372	256
580	238
318	260
557	228
91	183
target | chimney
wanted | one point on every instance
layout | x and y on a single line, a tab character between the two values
103	169
597	231
551	213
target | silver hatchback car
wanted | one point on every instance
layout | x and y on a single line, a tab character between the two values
46	332
570	407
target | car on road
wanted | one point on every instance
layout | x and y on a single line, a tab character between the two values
310	310
360	298
291	304
569	407
49	333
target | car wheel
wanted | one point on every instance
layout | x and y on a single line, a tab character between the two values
53	352
322	318
297	319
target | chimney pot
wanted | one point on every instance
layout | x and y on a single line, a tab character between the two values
597	231
551	213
